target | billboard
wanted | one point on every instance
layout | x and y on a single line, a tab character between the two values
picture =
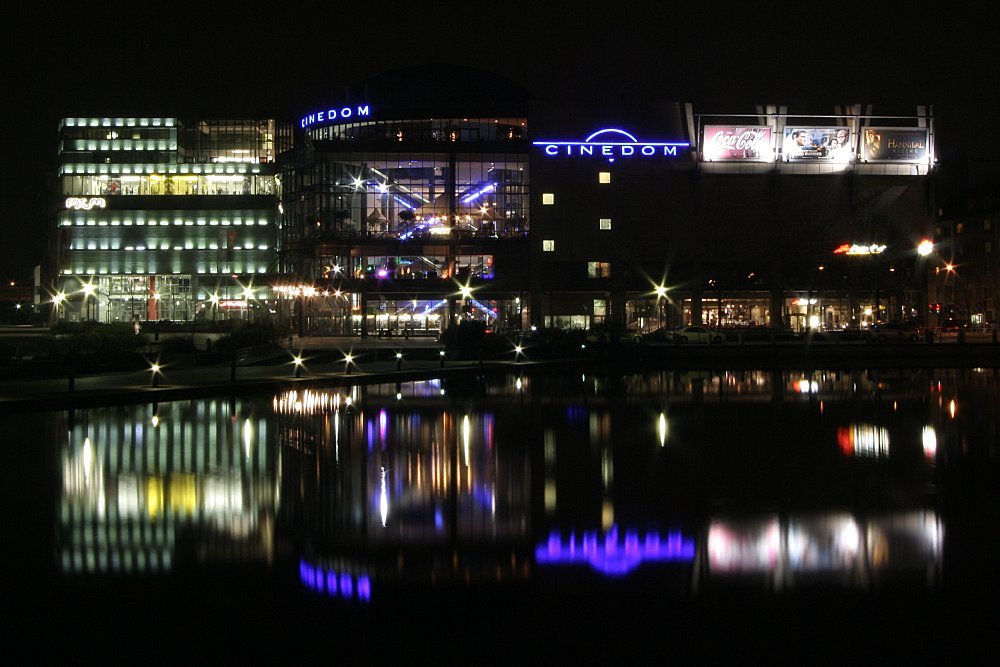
894	144
817	143
728	142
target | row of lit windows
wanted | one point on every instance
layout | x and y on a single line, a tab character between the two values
163	222
122	145
201	269
220	166
119	122
438	129
188	245
155	184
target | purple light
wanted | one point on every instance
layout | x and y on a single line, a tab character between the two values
487	188
405	203
614	558
331	582
382	273
364	588
346	586
488	311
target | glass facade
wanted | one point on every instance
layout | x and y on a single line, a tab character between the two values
162	218
402	210
347	223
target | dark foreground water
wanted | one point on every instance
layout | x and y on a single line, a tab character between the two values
752	516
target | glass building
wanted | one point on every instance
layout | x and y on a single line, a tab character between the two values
165	218
414	203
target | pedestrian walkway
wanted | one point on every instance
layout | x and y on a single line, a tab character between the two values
321	361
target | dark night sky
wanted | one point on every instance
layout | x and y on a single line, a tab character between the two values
721	59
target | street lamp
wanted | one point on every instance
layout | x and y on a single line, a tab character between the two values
518	351
348	360
399	361
89	290
661	294
154	370
297	361
57	299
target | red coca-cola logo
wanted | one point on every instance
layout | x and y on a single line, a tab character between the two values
746	139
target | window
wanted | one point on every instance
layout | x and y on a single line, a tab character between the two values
986	224
600	311
989	247
604	177
548	245
548	199
959	228
605	224
598	269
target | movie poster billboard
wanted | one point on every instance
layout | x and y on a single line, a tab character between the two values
894	144
816	143
728	142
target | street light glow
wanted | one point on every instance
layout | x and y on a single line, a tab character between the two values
925	248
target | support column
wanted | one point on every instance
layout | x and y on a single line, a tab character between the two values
777	309
151	301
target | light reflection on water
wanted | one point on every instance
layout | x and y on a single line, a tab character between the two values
780	480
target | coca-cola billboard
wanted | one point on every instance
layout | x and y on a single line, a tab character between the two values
728	142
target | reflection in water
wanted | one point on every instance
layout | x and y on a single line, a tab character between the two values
134	477
611	555
788	477
834	547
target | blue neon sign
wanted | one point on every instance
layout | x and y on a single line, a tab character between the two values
330	115
611	143
610	556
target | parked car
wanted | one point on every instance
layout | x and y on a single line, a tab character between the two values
697	334
661	335
893	331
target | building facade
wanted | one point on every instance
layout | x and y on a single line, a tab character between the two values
408	209
165	219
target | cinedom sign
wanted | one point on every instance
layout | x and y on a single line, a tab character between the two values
330	115
611	143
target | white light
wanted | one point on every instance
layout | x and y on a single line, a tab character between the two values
929	438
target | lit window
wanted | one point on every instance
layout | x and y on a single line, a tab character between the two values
548	199
548	245
598	269
605	224
604	177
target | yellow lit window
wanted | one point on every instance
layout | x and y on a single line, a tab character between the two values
605	224
548	245
548	199
604	177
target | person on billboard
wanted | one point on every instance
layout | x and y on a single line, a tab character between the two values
840	145
797	145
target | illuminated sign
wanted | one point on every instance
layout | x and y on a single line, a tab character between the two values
332	583
612	557
233	303
817	143
329	115
611	143
726	142
855	249
892	144
84	204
